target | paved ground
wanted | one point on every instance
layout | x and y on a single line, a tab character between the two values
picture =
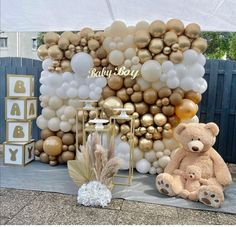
31	207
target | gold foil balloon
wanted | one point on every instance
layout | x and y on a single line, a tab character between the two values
143	130
129	91
144	55
150	96
42	52
168	110
129	82
107	92
51	38
111	103
200	45
65	66
164	92
52	145
157	28
175	99
124	129
180	91
145	144
148	135
167	126
74	39
141	38
151	129
175	47
156	45
115	82
66	34
156	135
147	120
176	57
122	95
55	53
129	106
194	96
161	58
170	38
167	133
175	25
174	121
167	50
137	97
136	123
184	43
160	119
154	109
93	44
186	110
192	30
141	108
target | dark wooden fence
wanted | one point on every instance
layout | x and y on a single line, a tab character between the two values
218	102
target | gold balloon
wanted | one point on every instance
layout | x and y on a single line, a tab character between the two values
160	119
151	129
45	133
136	123
184	43
157	28
137	97
186	110
101	53
161	58
42	52
129	82
148	135
129	106
104	62
68	139
159	129
136	87
67	155
39	145
176	99
111	103
55	53
154	109
147	120
200	45
167	133
159	102
156	45
122	95
175	47
66	34
96	61
175	25
115	82
165	101
51	38
167	126
141	38
129	135
180	91
145	144
65	66
144	55
167	50
192	30
194	96
123	138
156	135
164	92
74	39
52	145
176	57
168	110
93	44
174	121
143	130
170	38
124	129
141	108
85	32
92	114
135	115
129	91
117	129
150	96
107	92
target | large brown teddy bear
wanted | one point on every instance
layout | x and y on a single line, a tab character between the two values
197	140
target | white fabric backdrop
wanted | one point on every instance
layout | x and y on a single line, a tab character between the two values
63	15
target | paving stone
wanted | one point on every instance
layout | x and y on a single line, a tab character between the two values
12	201
133	218
227	219
206	217
4	220
178	221
149	208
80	215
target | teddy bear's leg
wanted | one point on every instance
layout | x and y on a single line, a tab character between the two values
168	184
184	194
193	196
211	195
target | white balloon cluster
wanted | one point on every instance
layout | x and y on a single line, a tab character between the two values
186	75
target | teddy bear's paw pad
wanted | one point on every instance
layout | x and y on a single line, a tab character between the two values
209	199
164	187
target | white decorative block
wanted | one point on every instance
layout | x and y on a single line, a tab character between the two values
20	85
18	131
20	108
18	153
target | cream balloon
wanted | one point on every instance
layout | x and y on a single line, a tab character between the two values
151	71
116	57
41	122
54	124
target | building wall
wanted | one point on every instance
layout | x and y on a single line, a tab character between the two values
19	44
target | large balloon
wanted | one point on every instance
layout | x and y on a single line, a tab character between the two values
151	70
52	145
187	109
81	63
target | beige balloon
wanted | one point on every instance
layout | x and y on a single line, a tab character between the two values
74	39
156	45
66	34
115	82
93	44
175	25
101	53
122	95
157	28
141	108
85	31
144	55
142	38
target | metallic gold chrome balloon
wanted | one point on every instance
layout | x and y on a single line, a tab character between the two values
160	119
192	30
200	45
167	50
157	28
145	144
129	106
141	38
175	25
42	52
161	58
115	82
194	96
51	38
124	129
168	110
170	38
137	97
186	110
150	96
144	55
156	45
141	108
147	120
176	57
110	104
148	135
154	109
122	95
184	43
167	133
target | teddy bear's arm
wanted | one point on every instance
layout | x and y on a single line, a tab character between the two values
221	170
203	181
175	161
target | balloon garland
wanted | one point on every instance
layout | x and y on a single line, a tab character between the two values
169	61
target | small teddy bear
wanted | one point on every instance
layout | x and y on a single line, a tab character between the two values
193	181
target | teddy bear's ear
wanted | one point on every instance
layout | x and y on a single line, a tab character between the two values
180	128
213	128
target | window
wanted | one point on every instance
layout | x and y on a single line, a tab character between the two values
3	42
34	43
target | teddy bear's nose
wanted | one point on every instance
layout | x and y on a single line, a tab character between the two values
195	148
191	176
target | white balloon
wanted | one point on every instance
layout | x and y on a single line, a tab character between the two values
74	83
122	147
128	63
98	90
158	145
203	85
159	154
46	90
201	59
158	85
167	152
180	70
190	57
41	122
163	77
143	166
81	63
138	154
94	95
72	121
112	45
196	70
72	93
172	73
170	144
101	82
54	124
75	103
55	102
60	92
167	66
152	170
187	83
173	82
83	92
65	126
92	86
151	70
135	60
48	113
46	63
163	161
69	112
60	111
130	53
116	57
150	156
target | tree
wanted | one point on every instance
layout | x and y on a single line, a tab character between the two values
232	47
